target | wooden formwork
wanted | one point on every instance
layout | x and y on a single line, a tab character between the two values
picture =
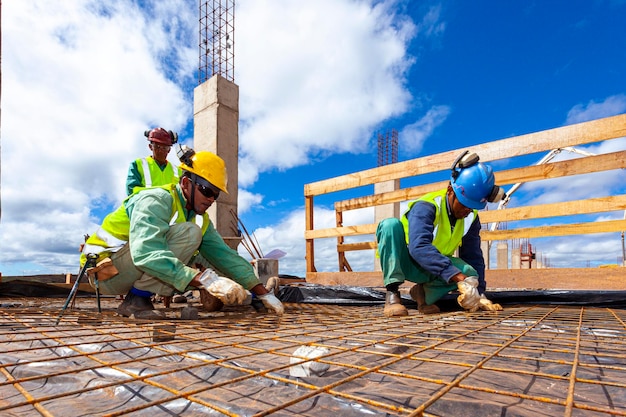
586	133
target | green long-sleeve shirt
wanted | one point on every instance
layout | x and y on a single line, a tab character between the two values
150	212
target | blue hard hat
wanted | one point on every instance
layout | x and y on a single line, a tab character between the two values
473	185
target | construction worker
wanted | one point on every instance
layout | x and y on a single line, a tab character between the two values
419	247
156	169
145	246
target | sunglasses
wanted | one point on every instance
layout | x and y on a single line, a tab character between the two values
208	192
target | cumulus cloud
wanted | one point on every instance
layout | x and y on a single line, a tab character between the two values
597	184
288	236
414	135
319	81
82	80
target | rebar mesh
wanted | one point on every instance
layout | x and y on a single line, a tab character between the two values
531	360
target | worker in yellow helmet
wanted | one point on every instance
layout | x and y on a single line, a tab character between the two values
155	169
145	246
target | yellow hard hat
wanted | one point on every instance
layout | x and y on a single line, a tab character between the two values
209	166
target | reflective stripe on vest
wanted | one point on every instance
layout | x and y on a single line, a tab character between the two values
445	239
152	175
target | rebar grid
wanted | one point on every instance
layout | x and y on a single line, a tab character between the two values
530	360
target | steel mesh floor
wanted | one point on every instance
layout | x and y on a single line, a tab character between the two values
527	360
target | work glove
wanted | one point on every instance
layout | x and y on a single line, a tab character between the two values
487	305
272	285
469	298
272	303
227	290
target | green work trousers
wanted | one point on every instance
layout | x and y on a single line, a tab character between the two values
398	266
183	239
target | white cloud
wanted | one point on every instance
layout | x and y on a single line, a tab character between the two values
321	76
81	82
83	79
246	199
610	106
577	187
288	236
414	135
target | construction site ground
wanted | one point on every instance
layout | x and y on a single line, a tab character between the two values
546	358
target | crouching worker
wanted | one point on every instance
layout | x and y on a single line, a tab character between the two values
145	245
420	246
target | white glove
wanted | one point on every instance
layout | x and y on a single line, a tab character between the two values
469	298
487	305
272	285
272	303
227	290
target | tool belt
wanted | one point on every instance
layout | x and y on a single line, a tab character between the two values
103	270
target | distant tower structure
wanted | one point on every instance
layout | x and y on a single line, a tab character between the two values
217	40
527	254
388	148
387	154
216	107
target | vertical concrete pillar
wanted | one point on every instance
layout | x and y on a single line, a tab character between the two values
502	257
265	268
485	247
537	264
216	129
386	210
516	258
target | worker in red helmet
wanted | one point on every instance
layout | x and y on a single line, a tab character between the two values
155	169
421	246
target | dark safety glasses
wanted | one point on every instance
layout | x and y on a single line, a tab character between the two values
208	191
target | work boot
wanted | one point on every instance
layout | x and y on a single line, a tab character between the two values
393	305
417	294
179	299
139	307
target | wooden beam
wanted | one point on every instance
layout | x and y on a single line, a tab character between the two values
546	140
363	229
560	230
568	208
609	279
347	247
578	166
309	243
586	165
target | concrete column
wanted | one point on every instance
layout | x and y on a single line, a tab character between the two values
484	246
216	129
502	257
265	268
386	210
516	258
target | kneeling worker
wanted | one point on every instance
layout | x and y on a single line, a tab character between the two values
145	245
419	246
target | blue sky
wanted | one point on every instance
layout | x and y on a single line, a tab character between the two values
318	81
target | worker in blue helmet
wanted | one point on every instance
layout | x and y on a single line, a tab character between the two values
420	246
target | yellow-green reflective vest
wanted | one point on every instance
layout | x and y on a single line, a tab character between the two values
151	174
115	228
444	239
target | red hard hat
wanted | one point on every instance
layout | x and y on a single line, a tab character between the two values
162	136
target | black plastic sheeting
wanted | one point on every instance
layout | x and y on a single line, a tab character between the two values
19	288
367	296
364	296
